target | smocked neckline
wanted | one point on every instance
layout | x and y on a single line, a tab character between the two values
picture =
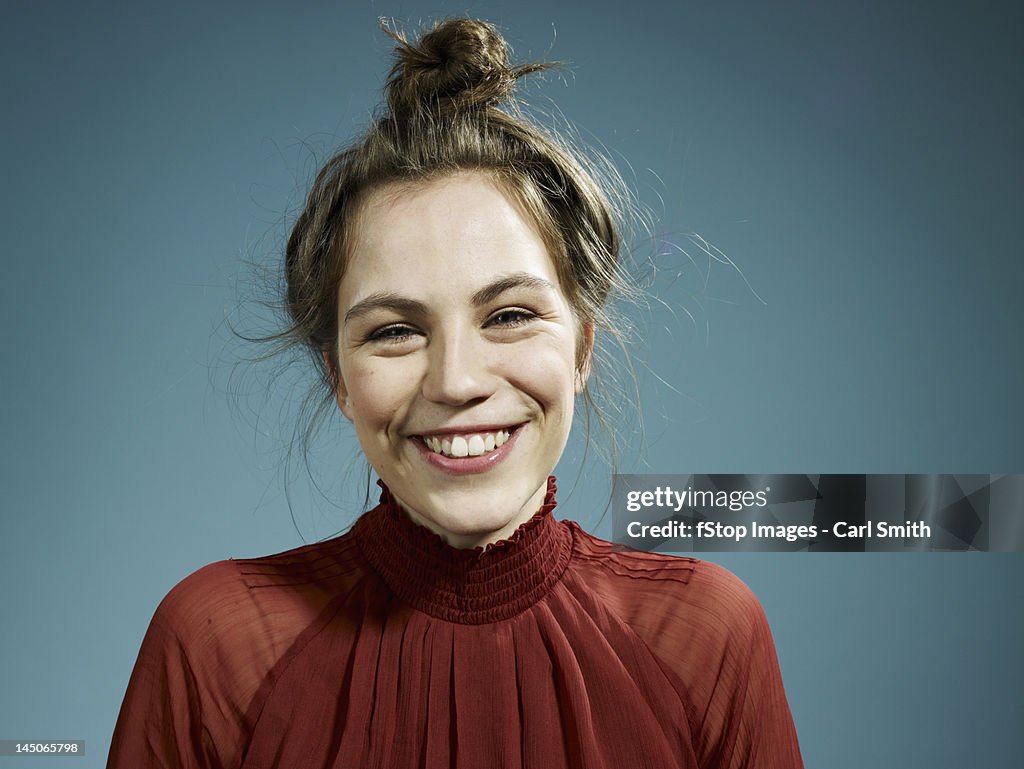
465	585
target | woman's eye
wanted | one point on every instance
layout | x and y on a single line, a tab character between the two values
391	334
511	317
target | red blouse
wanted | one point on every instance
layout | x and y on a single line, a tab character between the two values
387	648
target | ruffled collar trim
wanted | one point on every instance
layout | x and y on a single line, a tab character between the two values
466	585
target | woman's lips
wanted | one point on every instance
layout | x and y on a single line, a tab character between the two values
468	443
479	456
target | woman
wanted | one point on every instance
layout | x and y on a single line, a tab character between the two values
450	271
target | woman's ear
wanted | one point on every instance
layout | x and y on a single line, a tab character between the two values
584	355
338	384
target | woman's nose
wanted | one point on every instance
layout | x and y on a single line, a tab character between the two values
456	370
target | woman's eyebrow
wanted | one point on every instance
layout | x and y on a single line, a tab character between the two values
385	300
390	300
497	287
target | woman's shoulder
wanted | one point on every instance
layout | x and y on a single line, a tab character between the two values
626	561
709	634
235	593
680	595
220	632
319	565
631	565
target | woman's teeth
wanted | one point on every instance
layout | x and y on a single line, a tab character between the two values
466	445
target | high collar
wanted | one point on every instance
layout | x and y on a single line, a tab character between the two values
466	585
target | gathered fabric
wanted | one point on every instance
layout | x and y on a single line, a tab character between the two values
387	648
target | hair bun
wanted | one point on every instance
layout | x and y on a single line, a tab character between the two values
459	61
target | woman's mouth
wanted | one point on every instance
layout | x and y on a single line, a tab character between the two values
468	444
473	451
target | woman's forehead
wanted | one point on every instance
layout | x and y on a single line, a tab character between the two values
454	234
466	205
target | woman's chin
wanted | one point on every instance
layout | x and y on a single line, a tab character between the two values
472	517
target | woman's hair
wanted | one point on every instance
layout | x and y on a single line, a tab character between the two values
449	109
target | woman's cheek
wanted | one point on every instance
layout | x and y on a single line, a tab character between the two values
546	368
382	389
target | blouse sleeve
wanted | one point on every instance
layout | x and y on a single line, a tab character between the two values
706	628
745	719
161	718
211	652
199	664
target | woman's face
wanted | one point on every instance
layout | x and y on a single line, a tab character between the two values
457	355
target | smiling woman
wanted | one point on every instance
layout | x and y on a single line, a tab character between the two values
449	274
461	389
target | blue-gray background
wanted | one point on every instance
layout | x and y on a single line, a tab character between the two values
859	163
